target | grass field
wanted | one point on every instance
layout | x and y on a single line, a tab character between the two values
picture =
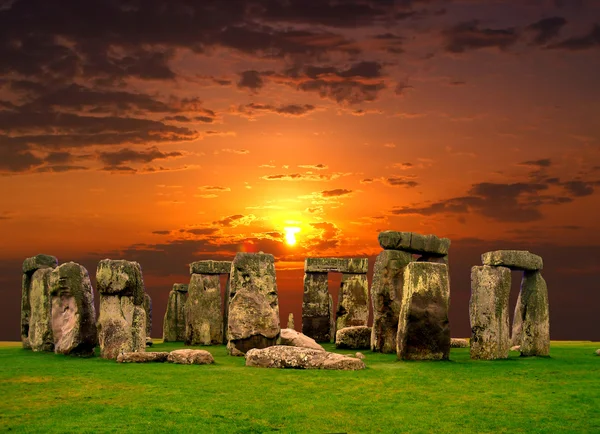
53	393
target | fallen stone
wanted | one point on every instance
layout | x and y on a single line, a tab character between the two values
316	310
412	242
190	357
360	356
159	357
598	352
203	318
513	259
339	265
280	356
356	338
290	323
174	320
148	310
210	267
292	338
535	313
459	343
41	337
352	309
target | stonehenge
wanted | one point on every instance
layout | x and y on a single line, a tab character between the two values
148	310
174	320
280	356
40	334
356	338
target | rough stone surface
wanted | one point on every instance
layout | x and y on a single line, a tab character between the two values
210	267
149	357
148	310
340	265
423	325
191	357
386	298
40	321
290	322
360	356
174	320
412	242
292	338
73	311
203	318
488	312
516	334
180	287
513	259
356	338
515	348
316	310
535	314
459	343
39	261
121	277
253	310
598	352
280	356
352	309
226	308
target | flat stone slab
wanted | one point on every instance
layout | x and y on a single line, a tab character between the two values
280	356
210	267
190	357
159	357
292	338
39	261
414	243
459	343
355	338
513	259
180	287
339	265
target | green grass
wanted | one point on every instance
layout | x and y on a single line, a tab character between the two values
43	392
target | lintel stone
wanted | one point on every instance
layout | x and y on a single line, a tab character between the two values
513	259
414	243
210	267
340	265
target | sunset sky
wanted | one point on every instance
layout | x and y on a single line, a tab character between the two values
172	131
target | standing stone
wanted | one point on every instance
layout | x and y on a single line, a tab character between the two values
174	321
331	319
203	319
316	309
386	297
253	303
290	323
352	308
226	309
535	315
423	326
40	319
488	312
30	265
148	310
73	311
517	325
122	319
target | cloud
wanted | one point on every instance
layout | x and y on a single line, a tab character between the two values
336	193
400	181
235	220
235	151
314	166
127	155
213	188
251	109
308	176
577	43
544	162
327	239
546	29
251	79
468	36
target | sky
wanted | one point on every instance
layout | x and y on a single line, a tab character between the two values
167	132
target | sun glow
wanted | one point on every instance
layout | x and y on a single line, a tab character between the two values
290	234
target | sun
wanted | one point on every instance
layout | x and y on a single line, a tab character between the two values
290	234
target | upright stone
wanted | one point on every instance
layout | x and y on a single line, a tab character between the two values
535	315
122	319
203	318
253	303
40	320
423	326
316	311
226	308
386	298
352	308
73	311
488	312
148	310
290	322
174	320
517	326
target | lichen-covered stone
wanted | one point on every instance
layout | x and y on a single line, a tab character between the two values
280	356
190	357
39	261
488	312
339	265
290	322
459	343
352	309
386	298
40	322
535	314
149	357
423	325
148	310
516	335
118	276
210	267
73	311
355	338
292	338
513	259
316	311
412	242
226	308
174	320
203	318
253	319
180	287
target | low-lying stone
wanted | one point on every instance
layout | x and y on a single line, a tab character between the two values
158	356
339	265
210	267
280	356
459	343
513	259
360	356
414	243
190	357
598	352
292	338
357	338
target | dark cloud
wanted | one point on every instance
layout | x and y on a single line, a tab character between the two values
202	231
230	220
126	155
336	192
161	232
587	41
579	188
399	181
251	79
546	29
469	36
286	110
545	162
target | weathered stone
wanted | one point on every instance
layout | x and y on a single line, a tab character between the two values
516	335
121	277
226	309
210	267
292	338
290	323
280	356
356	338
488	312
174	321
352	308
40	321
598	352
39	261
150	357
360	356
386	298
459	343
73	311
149	342
535	314
423	326
316	311
515	348
148	310
203	318
513	259
253	320
331	319
191	357
412	242
339	265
